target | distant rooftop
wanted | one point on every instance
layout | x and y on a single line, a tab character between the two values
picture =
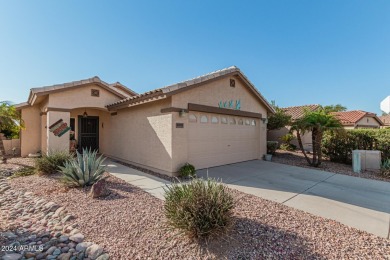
297	112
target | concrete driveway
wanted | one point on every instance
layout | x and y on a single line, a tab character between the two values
360	203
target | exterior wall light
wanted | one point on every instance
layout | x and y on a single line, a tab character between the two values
265	120
182	113
85	114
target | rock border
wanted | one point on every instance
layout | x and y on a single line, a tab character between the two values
40	229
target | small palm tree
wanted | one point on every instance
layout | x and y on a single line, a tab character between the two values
9	118
317	122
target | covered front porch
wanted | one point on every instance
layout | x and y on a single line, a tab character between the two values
74	129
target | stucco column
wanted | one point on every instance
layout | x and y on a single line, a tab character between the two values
58	131
263	139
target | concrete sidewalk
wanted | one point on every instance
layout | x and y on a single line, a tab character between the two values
147	182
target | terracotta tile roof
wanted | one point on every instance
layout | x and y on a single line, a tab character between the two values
354	116
172	89
297	112
385	119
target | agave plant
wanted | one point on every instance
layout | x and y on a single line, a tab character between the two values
84	170
385	168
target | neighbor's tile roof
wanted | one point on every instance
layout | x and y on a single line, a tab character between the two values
354	116
184	84
385	119
297	112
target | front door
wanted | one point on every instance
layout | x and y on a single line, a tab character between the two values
88	133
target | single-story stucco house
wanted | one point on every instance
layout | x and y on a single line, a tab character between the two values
355	119
296	112
385	120
215	119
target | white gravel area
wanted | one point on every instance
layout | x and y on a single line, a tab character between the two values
297	159
36	228
129	224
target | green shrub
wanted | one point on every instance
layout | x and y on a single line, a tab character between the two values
199	208
338	146
187	170
48	164
287	138
272	146
385	168
288	147
25	171
84	170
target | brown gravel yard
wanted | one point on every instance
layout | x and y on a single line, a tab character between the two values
129	225
297	159
16	162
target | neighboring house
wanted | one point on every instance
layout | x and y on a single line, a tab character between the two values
296	112
385	120
211	120
358	119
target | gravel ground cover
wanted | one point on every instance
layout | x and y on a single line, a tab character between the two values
35	228
14	164
128	224
297	159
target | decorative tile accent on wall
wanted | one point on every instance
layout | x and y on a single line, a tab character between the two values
59	128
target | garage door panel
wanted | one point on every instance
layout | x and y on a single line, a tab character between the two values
217	144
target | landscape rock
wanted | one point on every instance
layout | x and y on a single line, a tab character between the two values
103	257
36	222
94	251
83	246
51	206
67	218
99	189
12	256
65	256
78	238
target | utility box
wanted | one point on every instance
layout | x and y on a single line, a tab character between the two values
366	160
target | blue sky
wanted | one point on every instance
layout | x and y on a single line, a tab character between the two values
295	52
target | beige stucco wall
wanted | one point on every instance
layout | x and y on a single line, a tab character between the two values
275	135
10	144
31	135
81	97
211	94
43	131
142	135
368	121
57	143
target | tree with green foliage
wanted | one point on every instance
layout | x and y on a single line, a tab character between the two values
317	122
9	119
334	108
279	119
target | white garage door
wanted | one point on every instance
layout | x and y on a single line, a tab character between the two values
215	140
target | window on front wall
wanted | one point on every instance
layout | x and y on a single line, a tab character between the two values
253	123
214	120
72	124
247	122
192	118
240	121
224	120
204	119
